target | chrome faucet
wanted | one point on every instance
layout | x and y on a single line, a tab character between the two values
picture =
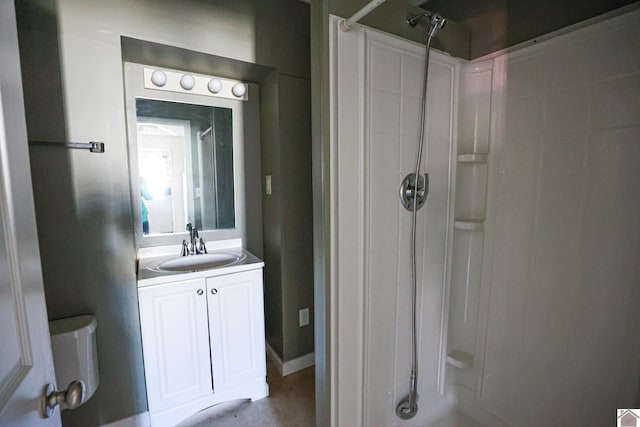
194	250
196	246
202	247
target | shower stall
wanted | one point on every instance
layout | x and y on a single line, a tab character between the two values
527	248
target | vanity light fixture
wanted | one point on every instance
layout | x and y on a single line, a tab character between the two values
239	89
187	82
214	85
159	78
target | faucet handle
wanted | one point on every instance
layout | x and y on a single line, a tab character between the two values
203	247
185	248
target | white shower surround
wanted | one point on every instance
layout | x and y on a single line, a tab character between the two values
375	128
557	341
561	274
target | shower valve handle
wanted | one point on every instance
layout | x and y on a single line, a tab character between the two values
409	194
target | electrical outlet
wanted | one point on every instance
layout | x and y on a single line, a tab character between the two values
304	317
267	184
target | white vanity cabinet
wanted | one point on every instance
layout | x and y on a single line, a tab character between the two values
236	328
203	343
175	335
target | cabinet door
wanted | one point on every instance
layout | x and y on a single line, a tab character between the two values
175	342
236	325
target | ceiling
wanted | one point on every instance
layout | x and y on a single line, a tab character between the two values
497	24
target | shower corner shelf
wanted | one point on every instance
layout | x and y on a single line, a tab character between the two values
469	224
473	158
460	359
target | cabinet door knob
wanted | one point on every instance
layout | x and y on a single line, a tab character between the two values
200	292
214	291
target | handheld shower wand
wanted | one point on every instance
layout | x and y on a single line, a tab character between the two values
437	22
408	407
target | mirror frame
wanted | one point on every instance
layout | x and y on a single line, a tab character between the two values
134	88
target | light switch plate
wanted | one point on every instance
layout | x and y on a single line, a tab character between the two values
267	184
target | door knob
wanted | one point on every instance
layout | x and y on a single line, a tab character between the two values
214	291
73	397
200	292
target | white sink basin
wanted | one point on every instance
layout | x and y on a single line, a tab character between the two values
199	262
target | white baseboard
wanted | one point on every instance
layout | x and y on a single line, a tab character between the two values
275	359
291	366
298	364
140	420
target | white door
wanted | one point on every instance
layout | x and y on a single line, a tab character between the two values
175	339
26	365
236	325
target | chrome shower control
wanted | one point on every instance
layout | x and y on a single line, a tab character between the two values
410	192
406	409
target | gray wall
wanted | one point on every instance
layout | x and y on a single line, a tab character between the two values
84	226
287	212
296	217
476	28
497	24
272	237
391	16
71	54
286	156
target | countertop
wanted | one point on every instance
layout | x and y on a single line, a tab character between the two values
151	257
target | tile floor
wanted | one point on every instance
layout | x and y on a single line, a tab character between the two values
291	403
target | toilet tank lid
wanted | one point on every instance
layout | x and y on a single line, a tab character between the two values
77	324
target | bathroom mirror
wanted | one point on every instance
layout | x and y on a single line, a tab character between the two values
185	166
184	162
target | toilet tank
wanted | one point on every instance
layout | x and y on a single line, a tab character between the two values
75	355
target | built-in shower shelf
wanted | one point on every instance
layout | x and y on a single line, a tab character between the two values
473	158
469	224
460	359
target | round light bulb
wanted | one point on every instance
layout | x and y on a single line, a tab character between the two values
214	85
159	78
239	89
187	82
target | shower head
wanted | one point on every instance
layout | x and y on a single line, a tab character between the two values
437	21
